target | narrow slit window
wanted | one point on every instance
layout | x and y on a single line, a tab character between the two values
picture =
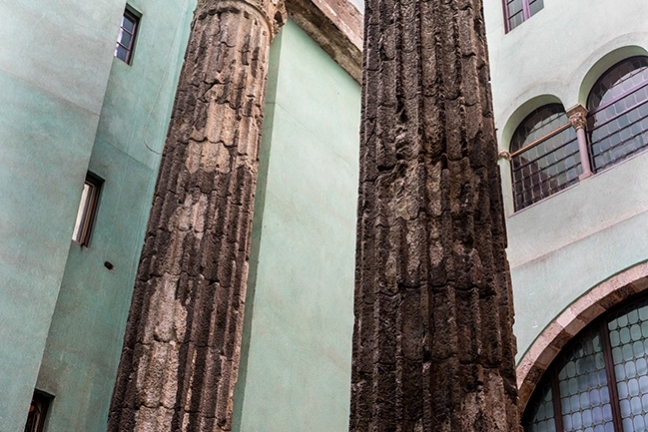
126	37
87	210
37	412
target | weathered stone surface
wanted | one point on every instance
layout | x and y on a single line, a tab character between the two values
336	26
181	351
433	342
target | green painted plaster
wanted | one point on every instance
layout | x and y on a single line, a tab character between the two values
295	374
52	82
86	334
43	138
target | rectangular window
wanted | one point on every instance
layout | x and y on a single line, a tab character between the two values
126	37
37	412
87	210
518	11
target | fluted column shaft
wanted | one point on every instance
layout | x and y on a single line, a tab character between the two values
433	342
181	351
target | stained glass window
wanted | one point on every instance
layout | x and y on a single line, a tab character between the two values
87	209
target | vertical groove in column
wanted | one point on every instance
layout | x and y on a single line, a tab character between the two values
433	347
181	349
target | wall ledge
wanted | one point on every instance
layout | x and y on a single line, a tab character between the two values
336	26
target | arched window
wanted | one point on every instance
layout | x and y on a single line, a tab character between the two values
618	113
544	155
599	383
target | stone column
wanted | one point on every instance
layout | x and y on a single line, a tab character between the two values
181	351
578	118
433	347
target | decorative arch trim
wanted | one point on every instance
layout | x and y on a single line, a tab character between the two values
572	320
603	64
521	112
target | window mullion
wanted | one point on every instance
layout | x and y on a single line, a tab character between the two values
526	9
555	390
617	420
507	24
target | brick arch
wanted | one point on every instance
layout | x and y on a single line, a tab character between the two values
572	320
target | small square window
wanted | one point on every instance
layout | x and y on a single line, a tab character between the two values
126	37
37	412
87	210
518	11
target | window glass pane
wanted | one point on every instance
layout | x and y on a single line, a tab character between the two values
83	209
629	342
618	106
516	20
584	392
513	7
550	165
535	6
87	210
126	37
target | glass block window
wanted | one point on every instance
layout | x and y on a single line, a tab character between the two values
618	113
518	11
599	383
126	37
544	155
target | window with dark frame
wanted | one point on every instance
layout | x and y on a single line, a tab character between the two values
37	412
617	123
599	382
544	155
518	11
126	38
544	149
87	210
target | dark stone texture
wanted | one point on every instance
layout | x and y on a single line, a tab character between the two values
182	345
433	342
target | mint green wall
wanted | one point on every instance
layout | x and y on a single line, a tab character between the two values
86	334
296	361
52	82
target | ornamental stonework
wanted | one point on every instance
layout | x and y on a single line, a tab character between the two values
578	117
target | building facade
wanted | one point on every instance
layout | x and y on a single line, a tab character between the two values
78	108
568	81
